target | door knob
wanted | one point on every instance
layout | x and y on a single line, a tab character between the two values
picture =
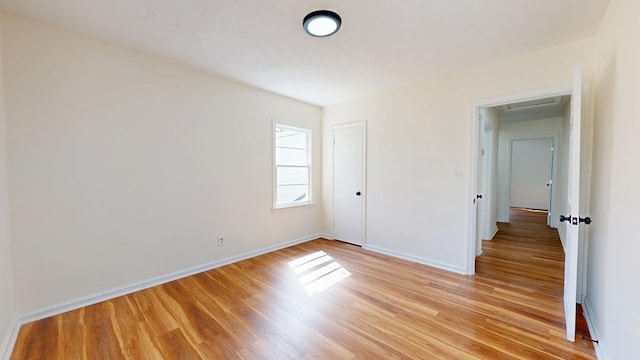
586	220
565	218
479	196
358	193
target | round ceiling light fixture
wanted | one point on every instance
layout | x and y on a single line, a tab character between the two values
321	23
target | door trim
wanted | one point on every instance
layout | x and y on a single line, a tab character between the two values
363	126
473	160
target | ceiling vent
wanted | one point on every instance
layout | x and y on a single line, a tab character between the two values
532	104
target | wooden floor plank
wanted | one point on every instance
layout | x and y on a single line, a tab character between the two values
380	307
102	341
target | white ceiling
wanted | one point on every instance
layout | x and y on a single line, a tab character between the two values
382	44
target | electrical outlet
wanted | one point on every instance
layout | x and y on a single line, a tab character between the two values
220	241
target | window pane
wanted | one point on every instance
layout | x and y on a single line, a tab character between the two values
292	175
292	167
292	193
285	156
291	138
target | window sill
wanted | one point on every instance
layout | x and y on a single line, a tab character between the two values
289	206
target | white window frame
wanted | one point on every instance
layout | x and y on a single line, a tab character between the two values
309	200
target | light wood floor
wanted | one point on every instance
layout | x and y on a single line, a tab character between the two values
378	308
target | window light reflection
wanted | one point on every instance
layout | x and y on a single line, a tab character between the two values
318	272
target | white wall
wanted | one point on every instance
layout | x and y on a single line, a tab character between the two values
7	311
613	288
419	136
520	130
124	167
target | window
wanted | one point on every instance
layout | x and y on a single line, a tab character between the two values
292	166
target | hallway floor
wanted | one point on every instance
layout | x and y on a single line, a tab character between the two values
528	254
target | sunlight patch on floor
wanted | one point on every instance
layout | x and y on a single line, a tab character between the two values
318	272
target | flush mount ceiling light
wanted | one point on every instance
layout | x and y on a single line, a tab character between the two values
321	23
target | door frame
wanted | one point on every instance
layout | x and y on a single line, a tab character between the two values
474	154
554	173
363	126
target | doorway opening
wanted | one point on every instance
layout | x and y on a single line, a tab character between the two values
572	184
521	159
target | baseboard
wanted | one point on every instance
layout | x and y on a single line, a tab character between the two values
419	260
493	232
128	289
6	348
593	328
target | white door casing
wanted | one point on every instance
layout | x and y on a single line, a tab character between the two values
349	161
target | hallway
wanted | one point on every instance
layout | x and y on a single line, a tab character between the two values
526	256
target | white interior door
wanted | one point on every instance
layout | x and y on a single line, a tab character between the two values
348	182
481	214
572	235
531	166
482	193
